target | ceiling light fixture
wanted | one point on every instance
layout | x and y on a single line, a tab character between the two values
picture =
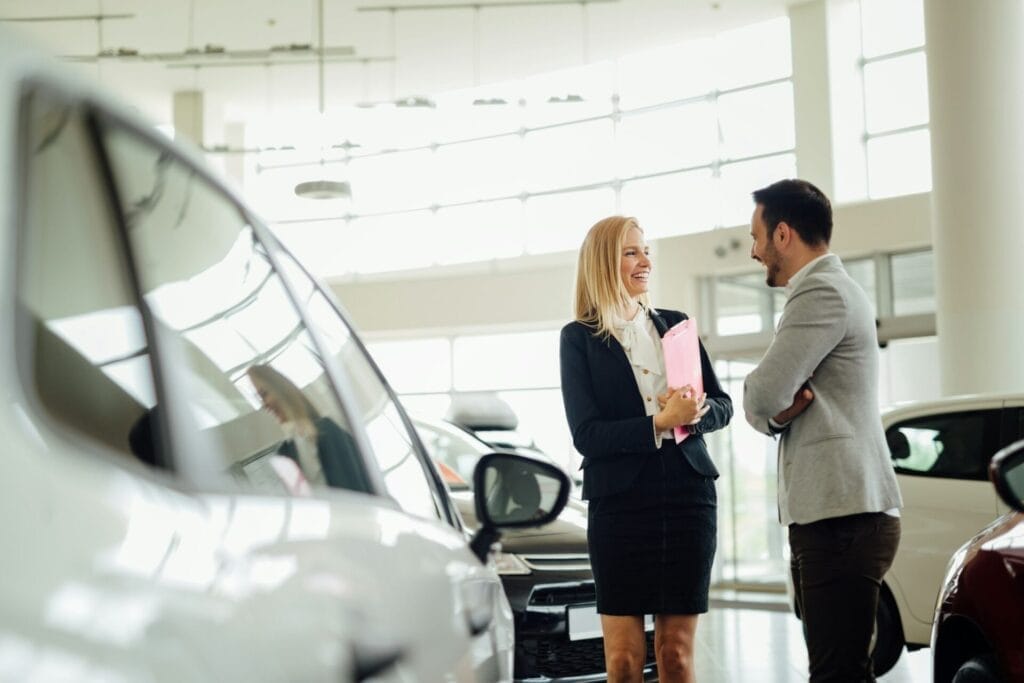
323	189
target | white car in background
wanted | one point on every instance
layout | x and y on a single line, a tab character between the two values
941	451
157	523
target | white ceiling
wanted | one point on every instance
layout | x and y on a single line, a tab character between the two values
400	53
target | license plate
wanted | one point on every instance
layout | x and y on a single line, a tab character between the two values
585	622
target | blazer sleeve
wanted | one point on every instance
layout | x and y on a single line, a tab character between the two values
812	325
592	435
718	402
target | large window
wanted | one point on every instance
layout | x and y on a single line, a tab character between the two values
681	152
882	138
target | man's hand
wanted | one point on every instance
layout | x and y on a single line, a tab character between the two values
801	400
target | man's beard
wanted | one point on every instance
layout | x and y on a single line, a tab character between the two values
772	267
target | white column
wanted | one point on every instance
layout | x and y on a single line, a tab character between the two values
975	75
811	106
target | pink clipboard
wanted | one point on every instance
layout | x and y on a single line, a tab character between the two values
681	347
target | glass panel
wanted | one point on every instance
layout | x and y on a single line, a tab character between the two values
913	283
323	247
479	232
479	170
757	121
750	538
753	54
393	182
459	119
506	361
957	445
739	302
415	365
740	179
676	204
430	406
642	81
891	25
89	355
552	97
896	93
899	164
251	381
569	156
863	273
667	139
394	242
558	222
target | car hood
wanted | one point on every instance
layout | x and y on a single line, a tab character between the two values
567	534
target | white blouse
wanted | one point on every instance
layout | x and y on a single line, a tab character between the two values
642	343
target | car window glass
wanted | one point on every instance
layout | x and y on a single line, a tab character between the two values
953	445
401	467
456	454
254	382
89	359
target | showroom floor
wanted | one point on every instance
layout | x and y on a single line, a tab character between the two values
766	646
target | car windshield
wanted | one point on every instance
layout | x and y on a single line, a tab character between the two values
455	452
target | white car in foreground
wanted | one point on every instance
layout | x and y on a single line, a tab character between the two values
157	523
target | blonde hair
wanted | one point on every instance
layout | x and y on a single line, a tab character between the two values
298	409
600	294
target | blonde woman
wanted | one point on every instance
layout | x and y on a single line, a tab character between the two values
324	452
652	503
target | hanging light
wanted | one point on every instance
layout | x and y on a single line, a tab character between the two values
323	189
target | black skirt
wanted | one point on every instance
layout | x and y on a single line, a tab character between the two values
652	546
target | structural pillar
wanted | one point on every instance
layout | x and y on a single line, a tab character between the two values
812	109
975	71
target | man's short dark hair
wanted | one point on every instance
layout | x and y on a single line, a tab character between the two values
801	205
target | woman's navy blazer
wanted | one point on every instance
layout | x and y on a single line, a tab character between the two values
606	412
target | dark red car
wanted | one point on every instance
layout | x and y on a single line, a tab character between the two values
978	633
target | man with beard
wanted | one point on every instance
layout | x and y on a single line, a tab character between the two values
817	388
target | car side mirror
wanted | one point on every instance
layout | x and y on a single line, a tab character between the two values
514	492
1007	473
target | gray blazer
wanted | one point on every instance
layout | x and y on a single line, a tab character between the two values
833	458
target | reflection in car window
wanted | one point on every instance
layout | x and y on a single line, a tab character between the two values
402	469
954	445
89	358
256	388
453	450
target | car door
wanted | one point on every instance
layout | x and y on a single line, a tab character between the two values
268	389
941	462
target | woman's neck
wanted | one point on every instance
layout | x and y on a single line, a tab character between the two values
630	309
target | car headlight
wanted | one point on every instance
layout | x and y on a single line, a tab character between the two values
507	563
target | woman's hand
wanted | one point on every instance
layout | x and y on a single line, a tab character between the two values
680	407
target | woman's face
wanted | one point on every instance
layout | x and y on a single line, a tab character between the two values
635	264
270	401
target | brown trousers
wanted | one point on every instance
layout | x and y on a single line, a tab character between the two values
837	566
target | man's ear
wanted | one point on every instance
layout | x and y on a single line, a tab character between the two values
783	234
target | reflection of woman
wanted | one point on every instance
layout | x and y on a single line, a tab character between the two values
651	516
325	452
